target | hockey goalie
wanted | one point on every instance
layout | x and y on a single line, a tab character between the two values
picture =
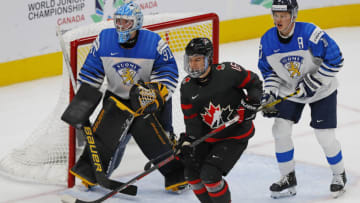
142	74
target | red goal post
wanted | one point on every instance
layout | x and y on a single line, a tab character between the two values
177	33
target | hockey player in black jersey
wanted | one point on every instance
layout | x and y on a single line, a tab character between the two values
211	95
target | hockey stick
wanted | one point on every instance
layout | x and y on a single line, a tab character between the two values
162	156
172	155
278	100
160	164
100	175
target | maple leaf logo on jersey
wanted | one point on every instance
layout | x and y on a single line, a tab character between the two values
186	80
220	67
215	116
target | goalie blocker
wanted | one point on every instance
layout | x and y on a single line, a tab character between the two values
112	121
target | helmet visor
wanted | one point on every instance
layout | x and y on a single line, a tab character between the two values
195	65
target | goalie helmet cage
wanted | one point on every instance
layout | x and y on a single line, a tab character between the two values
47	154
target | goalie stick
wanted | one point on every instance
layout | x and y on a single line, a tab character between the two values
100	175
160	157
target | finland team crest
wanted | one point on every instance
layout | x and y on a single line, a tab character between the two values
127	71
292	65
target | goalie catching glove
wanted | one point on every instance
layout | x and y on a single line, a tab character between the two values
148	97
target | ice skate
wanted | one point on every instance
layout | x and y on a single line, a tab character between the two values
337	187
176	183
285	187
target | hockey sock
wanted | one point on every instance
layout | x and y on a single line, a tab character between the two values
284	146
219	191
332	149
200	191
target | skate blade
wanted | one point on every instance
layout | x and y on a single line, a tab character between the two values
287	193
176	191
180	189
338	193
177	187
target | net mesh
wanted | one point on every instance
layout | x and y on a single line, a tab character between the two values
44	155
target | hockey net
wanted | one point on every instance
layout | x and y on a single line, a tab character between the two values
50	150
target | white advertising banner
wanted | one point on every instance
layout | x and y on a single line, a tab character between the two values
28	26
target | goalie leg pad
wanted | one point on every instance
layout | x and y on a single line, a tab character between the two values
82	106
153	141
150	137
83	169
111	124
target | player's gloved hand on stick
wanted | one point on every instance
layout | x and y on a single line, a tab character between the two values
267	98
250	108
183	149
147	97
308	86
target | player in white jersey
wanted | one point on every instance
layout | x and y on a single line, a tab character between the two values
299	55
142	74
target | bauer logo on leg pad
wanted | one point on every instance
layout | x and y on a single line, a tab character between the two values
93	150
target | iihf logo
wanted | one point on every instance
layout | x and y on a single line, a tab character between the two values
127	71
292	65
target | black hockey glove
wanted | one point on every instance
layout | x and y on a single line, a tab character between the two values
267	98
250	108
183	149
308	86
147	97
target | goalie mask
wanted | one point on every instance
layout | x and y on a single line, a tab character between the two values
195	51
290	6
127	19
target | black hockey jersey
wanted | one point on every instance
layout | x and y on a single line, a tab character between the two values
210	103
